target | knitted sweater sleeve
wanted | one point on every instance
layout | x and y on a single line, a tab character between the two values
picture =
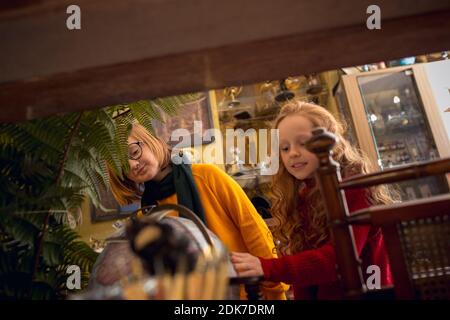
316	266
252	228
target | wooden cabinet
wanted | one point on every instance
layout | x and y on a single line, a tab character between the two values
396	121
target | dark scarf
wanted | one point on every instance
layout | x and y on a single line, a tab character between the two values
179	181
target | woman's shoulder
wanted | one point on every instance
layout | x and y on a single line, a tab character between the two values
207	171
212	176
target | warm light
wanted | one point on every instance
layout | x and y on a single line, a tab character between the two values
373	117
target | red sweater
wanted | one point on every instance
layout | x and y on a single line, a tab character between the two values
313	273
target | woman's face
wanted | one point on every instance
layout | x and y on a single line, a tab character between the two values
144	167
294	131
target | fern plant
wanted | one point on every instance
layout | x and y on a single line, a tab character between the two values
47	168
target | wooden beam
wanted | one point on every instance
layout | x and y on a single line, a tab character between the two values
230	64
36	42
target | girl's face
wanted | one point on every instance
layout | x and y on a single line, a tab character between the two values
294	131
144	167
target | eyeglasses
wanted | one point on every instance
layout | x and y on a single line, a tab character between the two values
135	150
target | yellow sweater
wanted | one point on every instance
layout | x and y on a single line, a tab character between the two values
233	218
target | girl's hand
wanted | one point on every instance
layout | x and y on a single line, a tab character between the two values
246	265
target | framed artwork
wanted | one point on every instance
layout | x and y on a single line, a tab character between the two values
195	117
117	211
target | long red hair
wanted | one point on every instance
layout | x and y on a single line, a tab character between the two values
297	231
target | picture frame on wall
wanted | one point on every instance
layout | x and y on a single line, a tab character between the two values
109	203
195	111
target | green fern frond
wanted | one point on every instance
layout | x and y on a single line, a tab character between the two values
79	253
25	142
170	105
75	200
144	113
20	229
121	142
52	253
33	155
100	140
78	175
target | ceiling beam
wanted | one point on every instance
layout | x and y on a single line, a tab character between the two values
188	67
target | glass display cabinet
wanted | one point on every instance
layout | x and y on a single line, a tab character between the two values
396	122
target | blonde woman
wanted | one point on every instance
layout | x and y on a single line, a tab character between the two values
205	189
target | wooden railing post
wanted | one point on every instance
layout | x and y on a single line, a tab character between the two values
328	178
